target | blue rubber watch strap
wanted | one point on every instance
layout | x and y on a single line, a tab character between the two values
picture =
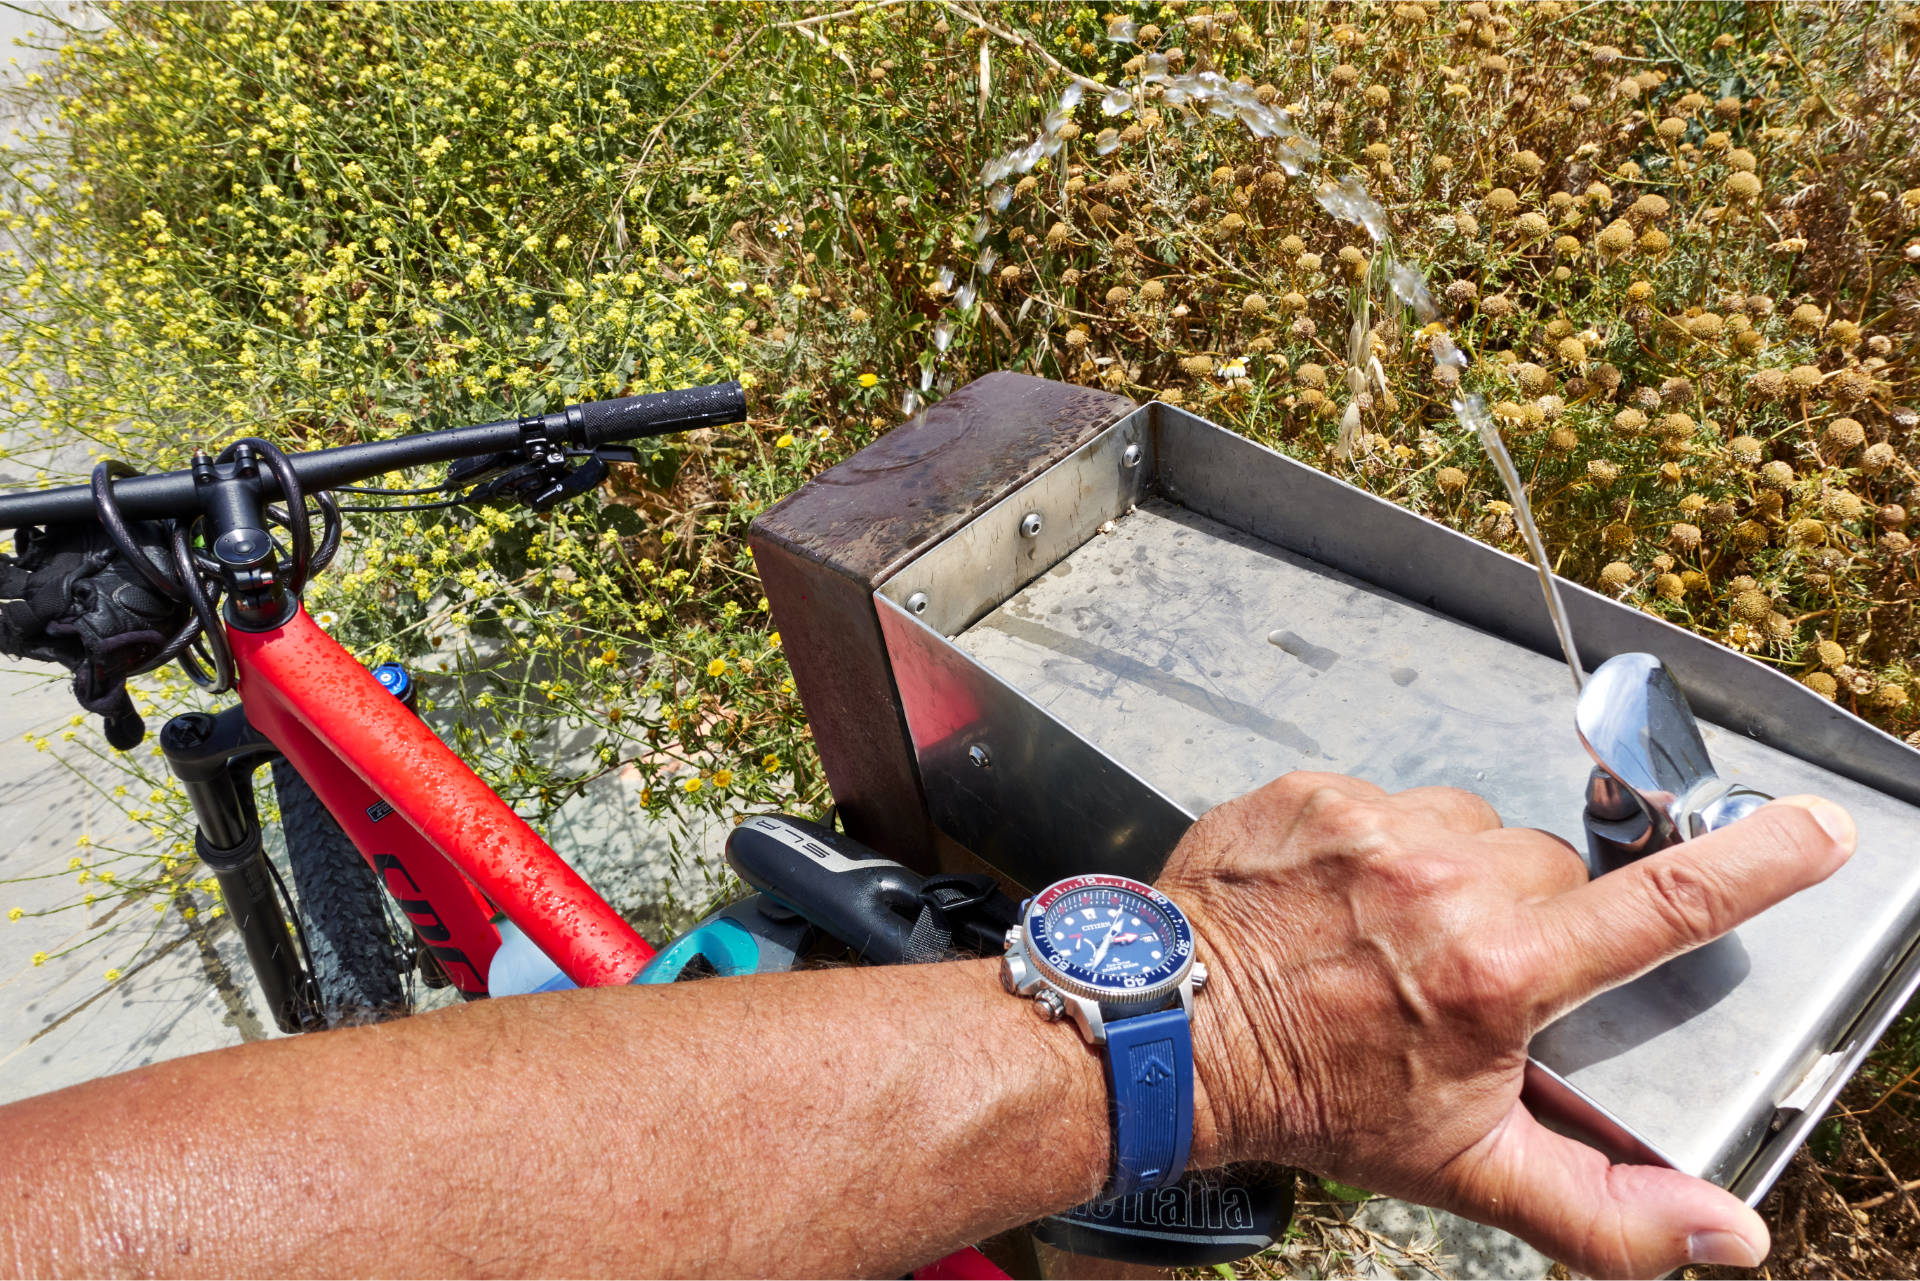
1150	1080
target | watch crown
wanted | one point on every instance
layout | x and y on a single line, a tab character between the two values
1049	1005
1200	977
1013	935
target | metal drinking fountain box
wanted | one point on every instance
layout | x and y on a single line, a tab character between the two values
1048	627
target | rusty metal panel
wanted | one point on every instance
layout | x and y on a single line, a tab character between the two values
823	550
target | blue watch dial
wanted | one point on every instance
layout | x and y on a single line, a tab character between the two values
1110	933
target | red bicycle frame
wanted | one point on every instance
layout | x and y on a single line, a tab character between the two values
445	846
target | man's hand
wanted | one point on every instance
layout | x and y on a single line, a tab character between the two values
1380	963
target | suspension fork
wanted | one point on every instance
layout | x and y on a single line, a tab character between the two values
214	757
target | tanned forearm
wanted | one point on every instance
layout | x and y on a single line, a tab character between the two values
828	1123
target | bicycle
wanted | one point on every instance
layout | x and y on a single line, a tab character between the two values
130	572
374	806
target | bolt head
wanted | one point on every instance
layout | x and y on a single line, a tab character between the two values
917	603
1030	525
980	756
1130	456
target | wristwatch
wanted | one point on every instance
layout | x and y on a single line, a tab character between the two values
1116	957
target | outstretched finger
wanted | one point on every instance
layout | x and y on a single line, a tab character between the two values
1597	1218
1624	923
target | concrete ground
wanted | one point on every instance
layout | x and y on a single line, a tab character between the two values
60	1022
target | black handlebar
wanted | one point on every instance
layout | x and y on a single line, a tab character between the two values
172	494
605	421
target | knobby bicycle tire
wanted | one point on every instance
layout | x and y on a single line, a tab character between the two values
359	967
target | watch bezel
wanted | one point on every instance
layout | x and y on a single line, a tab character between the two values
1154	985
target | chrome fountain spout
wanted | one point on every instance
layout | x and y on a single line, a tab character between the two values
1653	784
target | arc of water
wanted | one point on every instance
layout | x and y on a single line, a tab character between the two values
1348	199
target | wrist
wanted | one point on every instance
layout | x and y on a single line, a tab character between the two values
1238	1104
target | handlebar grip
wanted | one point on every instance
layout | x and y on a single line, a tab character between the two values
660	413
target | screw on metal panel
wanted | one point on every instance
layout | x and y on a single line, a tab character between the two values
1130	456
1030	525
917	602
980	756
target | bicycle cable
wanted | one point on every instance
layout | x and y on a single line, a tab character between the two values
200	644
461	501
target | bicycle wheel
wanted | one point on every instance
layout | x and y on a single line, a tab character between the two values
359	966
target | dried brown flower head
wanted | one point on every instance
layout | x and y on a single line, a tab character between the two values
1804	378
1616	238
1807	532
1842	505
1842	436
1851	385
1751	605
1649	208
